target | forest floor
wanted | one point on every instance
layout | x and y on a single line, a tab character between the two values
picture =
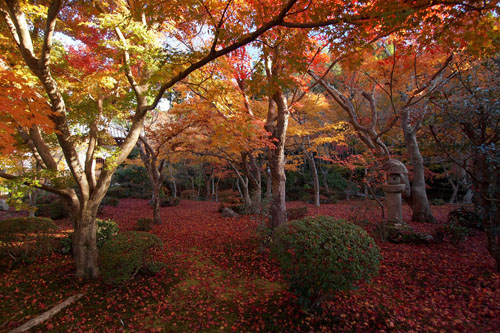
218	278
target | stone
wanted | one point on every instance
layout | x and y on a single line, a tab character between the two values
393	166
393	189
3	205
228	212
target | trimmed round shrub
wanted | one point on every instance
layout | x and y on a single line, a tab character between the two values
55	210
118	192
465	218
321	255
23	239
110	201
297	213
438	202
124	255
12	229
170	202
145	224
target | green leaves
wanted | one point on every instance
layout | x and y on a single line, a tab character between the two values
322	255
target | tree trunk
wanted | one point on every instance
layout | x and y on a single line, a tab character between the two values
453	197
277	160
217	190
418	197
208	185
84	239
156	201
315	177
467	199
253	173
486	206
269	185
325	179
247	201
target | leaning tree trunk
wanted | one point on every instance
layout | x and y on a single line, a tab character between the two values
418	198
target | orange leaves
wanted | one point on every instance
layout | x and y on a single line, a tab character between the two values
21	105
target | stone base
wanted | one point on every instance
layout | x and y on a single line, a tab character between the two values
401	233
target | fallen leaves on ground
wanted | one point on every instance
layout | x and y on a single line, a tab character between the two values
219	278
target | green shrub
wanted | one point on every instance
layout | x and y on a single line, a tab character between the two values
465	218
55	210
189	194
110	201
145	224
127	253
438	202
105	230
46	197
170	202
321	255
453	232
296	213
118	192
129	173
12	228
24	239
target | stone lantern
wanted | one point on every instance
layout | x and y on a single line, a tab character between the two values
395	186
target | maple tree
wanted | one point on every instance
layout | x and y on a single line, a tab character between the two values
157	141
390	82
466	128
131	53
89	25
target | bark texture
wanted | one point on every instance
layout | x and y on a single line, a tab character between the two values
418	201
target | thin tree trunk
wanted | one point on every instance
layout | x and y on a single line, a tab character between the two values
246	193
217	190
315	177
325	179
156	202
454	194
269	185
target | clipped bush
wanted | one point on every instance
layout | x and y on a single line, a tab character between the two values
105	230
438	202
296	213
322	255
189	194
124	255
118	192
170	202
46	197
453	232
145	224
55	210
110	201
465	218
23	239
